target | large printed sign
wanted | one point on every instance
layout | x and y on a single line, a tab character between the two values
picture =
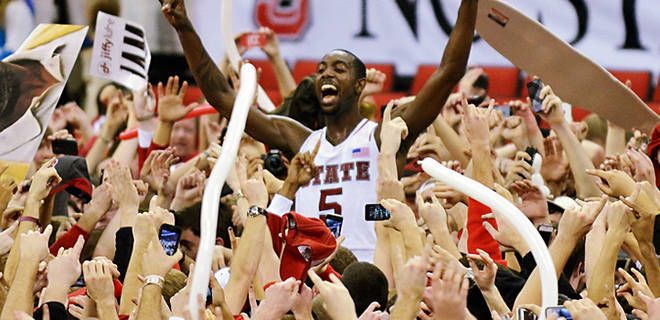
618	34
33	78
120	52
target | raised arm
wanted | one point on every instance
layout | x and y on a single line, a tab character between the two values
421	112
278	132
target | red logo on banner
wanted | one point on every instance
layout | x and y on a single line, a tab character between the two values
288	18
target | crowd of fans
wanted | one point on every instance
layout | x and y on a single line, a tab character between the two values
83	234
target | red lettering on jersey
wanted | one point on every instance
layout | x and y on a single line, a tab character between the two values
362	170
346	169
331	174
317	179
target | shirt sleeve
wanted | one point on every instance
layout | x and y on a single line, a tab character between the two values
68	240
478	236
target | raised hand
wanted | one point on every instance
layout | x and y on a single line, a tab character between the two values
302	168
175	13
124	192
534	204
272	46
98	276
520	169
34	244
411	280
189	190
375	82
64	270
116	115
255	189
44	180
632	288
392	131
485	276
614	183
401	216
170	98
642	166
280	298
336	298
476	122
555	165
156	170
576	222
156	262
449	291
552	111
584	309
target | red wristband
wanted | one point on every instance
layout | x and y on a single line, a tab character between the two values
30	219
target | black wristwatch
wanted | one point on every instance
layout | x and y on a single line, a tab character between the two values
255	211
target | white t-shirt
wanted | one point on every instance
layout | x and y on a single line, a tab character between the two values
345	183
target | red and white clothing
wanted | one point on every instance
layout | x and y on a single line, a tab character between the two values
345	183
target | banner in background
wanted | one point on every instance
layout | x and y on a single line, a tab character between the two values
33	79
120	52
618	34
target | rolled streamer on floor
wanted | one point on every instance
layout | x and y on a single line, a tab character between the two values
512	214
232	53
211	198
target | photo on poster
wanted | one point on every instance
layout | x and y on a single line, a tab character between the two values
33	79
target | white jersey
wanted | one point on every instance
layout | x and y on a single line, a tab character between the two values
345	183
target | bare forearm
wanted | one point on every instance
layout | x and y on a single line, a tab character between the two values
482	164
452	141
412	241
31	210
125	152
131	282
405	308
20	295
163	133
534	135
96	153
579	161
149	307
560	250
431	98
650	263
245	263
443	238
285	80
107	310
601	282
387	169
494	300
615	142
382	258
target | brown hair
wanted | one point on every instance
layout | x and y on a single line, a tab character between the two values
108	6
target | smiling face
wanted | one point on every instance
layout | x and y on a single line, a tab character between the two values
338	84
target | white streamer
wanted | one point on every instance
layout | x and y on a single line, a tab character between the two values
211	198
512	214
232	53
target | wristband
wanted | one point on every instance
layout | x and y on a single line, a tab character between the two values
30	219
154	279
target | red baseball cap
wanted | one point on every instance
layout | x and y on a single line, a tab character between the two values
301	242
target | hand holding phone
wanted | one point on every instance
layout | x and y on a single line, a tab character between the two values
252	40
375	212
534	91
169	237
65	146
334	222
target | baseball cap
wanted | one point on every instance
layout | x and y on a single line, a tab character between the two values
301	242
75	177
561	204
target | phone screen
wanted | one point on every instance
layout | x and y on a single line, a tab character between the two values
505	109
525	314
534	92
556	312
169	238
334	223
375	212
65	146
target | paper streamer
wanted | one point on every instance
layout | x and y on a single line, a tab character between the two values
512	214
211	198
232	53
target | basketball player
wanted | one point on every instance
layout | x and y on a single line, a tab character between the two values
347	158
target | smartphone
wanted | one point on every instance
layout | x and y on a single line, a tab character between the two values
80	282
375	212
65	146
334	222
253	40
531	151
526	314
505	109
169	237
556	312
534	91
476	100
545	230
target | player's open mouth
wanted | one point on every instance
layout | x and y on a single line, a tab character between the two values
329	94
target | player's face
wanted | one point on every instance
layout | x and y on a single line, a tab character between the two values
335	81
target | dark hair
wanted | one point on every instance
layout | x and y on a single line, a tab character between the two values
303	105
357	64
190	218
343	258
366	284
9	87
102	107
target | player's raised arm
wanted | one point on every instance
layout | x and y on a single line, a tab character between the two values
278	132
420	113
